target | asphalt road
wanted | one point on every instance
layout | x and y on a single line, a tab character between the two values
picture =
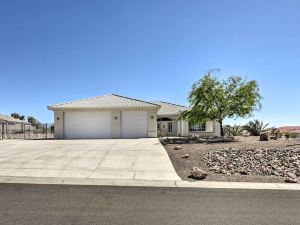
22	204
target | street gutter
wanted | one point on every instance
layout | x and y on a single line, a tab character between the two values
150	183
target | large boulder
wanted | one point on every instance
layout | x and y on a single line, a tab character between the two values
291	178
198	174
178	147
185	156
291	175
263	137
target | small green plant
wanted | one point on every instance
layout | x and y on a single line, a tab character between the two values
256	127
287	135
235	130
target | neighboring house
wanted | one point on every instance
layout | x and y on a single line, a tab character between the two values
168	123
9	124
290	129
115	116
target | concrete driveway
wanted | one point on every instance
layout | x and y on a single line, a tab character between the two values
140	159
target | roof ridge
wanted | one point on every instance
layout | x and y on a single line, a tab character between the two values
171	104
291	126
101	96
135	99
6	117
79	100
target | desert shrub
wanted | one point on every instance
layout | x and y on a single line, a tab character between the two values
287	134
235	130
256	127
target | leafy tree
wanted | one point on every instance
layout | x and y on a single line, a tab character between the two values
33	121
213	99
22	117
235	130
17	116
256	127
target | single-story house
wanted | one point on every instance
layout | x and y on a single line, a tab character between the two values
115	116
295	130
168	123
9	124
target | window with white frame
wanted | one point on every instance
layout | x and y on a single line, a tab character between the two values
197	127
170	127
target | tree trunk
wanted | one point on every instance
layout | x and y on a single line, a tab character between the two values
221	128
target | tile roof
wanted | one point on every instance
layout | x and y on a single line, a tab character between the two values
9	119
295	129
111	101
168	109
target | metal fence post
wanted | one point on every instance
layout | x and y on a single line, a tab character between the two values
2	131
6	130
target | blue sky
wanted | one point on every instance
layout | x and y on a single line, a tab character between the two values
56	51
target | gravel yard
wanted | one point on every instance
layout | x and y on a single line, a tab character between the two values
204	157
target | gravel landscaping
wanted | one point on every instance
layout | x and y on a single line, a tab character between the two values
247	160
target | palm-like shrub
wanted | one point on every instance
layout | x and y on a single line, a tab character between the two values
256	127
235	130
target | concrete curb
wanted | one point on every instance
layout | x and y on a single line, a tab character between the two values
150	183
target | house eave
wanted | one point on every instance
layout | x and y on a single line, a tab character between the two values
101	108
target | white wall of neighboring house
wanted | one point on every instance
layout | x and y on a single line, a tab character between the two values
15	128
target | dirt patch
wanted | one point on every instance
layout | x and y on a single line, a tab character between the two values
195	152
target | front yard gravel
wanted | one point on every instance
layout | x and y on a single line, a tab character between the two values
264	162
247	160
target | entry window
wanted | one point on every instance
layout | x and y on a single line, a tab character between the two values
197	127
170	127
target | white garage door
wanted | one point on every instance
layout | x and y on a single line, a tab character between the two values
87	124
134	124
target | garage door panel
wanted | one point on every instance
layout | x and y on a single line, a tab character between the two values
134	124
87	125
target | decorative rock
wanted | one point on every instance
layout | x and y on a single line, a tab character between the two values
185	156
290	180
263	137
197	173
291	175
276	173
178	147
197	139
243	172
284	162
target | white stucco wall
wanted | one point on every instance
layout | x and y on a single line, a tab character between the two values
115	123
212	129
152	124
164	130
58	124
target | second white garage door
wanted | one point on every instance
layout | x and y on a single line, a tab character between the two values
91	124
134	124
